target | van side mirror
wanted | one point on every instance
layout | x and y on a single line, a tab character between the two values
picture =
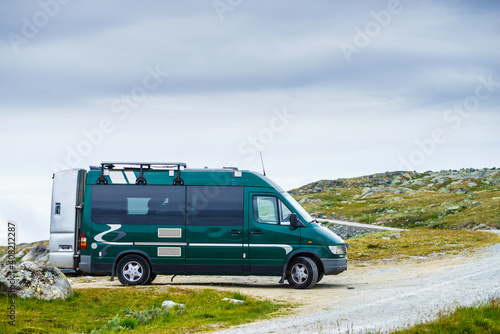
294	220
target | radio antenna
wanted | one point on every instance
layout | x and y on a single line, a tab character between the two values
262	161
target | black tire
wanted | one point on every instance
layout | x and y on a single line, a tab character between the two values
133	270
320	277
302	273
151	278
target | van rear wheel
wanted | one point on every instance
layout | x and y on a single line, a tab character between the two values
133	270
302	273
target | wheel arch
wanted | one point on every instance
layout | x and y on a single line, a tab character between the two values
121	255
305	253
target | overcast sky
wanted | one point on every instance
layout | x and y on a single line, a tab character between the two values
324	89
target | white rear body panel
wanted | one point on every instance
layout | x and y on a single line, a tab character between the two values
65	218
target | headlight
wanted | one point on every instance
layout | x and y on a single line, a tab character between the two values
337	250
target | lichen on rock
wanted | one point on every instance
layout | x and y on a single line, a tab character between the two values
34	280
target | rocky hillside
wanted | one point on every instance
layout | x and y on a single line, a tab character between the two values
458	199
35	252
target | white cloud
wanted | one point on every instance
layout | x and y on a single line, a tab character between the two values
226	78
3	231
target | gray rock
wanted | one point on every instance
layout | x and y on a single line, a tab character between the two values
453	208
39	253
481	226
396	182
316	200
445	190
34	280
233	301
170	304
347	232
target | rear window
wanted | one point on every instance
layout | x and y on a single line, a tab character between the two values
133	204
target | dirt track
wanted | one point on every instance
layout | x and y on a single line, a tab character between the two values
376	297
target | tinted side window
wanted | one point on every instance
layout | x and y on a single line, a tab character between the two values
214	205
131	204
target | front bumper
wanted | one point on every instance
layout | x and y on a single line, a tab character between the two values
334	266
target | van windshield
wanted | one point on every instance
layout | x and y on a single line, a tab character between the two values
296	206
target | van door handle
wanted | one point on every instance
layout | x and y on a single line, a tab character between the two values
235	232
256	232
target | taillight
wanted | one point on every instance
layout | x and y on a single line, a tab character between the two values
83	241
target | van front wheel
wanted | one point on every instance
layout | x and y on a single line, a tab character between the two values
133	270
302	273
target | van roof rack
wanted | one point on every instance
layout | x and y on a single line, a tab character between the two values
150	165
141	166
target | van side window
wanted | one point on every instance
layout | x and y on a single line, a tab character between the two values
265	209
271	210
285	213
132	204
214	206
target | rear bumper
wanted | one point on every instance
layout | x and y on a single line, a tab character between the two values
334	266
85	264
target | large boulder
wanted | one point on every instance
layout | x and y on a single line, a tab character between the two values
38	254
34	280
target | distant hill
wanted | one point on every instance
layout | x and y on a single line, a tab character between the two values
457	199
37	251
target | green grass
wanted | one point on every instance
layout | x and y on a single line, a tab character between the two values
417	242
482	318
136	310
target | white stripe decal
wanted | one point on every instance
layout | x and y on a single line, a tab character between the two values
160	244
286	248
113	228
130	176
216	245
117	177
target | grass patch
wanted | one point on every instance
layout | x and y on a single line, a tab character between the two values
482	318
417	242
136	310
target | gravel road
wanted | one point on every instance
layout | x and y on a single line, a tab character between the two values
386	297
378	297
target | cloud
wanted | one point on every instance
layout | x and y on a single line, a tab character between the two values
227	77
3	231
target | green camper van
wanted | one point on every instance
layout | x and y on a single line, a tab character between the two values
135	221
